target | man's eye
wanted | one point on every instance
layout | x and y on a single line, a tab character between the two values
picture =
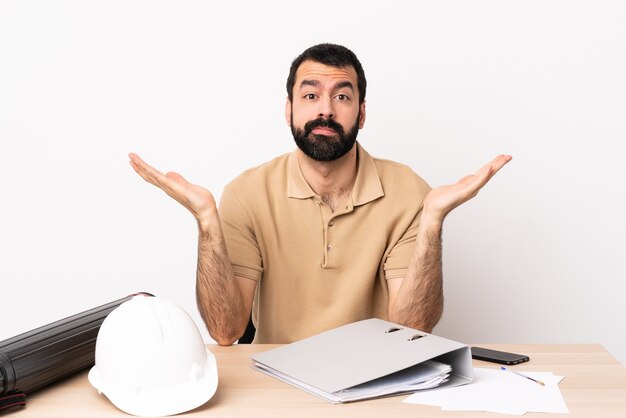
342	97
309	96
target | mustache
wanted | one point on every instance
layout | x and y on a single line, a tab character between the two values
322	123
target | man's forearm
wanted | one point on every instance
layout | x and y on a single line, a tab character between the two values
217	292
419	303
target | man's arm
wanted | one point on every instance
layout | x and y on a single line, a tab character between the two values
224	300
417	299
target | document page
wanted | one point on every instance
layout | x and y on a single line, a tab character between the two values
425	375
499	391
368	359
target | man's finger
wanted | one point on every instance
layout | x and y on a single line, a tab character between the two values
145	174
138	170
143	166
498	163
482	176
138	164
153	176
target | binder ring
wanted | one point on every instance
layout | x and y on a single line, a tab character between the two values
392	329
415	337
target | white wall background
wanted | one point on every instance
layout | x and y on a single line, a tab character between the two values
198	87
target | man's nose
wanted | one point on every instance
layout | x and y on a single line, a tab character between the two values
326	110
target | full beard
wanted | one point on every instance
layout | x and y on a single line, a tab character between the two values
323	147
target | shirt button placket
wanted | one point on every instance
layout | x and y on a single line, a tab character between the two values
325	233
329	239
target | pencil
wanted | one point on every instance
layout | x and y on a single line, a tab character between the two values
523	375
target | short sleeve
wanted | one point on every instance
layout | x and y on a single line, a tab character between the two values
241	243
397	261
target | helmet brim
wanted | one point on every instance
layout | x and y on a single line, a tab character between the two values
168	400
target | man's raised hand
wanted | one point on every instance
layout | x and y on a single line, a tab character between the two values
441	200
198	200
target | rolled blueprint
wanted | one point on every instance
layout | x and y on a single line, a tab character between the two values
44	355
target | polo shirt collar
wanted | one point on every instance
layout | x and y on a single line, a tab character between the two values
297	186
367	186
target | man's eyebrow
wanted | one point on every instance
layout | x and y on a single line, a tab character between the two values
316	83
343	84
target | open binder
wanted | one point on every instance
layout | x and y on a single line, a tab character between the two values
368	359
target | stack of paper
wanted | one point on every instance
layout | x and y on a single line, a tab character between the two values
368	359
499	391
427	375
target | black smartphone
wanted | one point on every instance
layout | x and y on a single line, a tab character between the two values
495	356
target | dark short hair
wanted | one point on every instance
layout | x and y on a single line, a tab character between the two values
328	54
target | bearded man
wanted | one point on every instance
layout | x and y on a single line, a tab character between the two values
325	235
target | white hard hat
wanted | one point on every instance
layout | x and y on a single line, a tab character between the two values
151	360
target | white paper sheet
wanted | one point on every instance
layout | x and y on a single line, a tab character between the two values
499	391
425	375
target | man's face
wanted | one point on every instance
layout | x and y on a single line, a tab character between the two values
325	115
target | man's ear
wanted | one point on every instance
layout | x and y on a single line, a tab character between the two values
362	115
288	112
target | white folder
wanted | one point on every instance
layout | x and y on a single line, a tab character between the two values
331	364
